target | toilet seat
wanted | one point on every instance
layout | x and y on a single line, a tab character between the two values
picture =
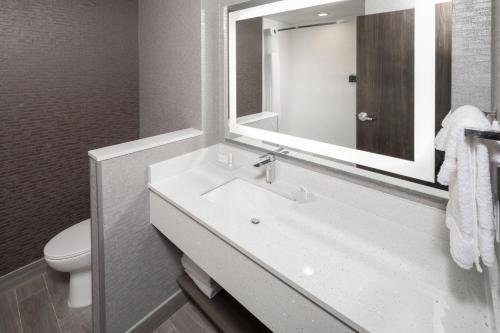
69	243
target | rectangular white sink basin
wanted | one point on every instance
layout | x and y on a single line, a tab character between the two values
247	199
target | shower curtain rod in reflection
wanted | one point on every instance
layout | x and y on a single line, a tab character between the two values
312	25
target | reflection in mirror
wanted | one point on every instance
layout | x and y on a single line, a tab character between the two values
341	73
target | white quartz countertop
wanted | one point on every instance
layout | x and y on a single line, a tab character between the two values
375	272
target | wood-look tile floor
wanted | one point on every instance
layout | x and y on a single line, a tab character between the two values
188	319
39	304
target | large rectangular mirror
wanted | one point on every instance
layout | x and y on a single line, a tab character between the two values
361	81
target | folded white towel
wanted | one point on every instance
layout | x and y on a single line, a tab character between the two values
210	292
194	269
469	213
202	280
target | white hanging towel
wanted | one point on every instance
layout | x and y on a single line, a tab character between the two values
494	146
494	150
469	213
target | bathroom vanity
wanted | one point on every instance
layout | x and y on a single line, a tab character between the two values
315	253
358	86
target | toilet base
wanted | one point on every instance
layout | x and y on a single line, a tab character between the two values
80	289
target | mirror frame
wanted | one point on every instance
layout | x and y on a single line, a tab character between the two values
424	110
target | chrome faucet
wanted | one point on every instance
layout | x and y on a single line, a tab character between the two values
270	163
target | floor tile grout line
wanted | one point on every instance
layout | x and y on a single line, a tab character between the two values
51	302
35	292
18	306
193	317
199	317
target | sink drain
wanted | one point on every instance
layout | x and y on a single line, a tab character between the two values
255	220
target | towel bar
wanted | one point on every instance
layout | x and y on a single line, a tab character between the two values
488	135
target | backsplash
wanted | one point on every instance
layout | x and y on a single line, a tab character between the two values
69	84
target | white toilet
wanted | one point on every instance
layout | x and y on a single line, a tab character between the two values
69	251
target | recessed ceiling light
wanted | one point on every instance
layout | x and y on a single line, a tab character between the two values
323	14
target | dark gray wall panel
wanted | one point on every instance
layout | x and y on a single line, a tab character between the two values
68	84
249	66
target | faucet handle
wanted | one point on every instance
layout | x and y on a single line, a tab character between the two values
271	156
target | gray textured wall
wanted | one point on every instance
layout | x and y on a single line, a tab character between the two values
68	84
169	65
472	54
496	57
140	265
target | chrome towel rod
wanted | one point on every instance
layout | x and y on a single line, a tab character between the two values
484	134
481	134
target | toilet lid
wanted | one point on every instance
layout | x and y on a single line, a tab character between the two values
70	242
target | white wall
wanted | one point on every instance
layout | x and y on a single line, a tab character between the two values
317	101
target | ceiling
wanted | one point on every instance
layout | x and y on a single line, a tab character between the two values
337	10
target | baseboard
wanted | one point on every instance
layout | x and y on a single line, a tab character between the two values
161	313
13	278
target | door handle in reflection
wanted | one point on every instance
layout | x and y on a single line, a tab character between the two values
363	116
